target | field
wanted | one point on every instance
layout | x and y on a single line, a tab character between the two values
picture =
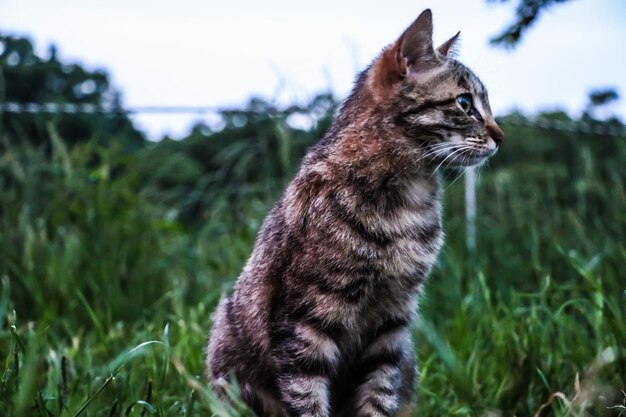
110	270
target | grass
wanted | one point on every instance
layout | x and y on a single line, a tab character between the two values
106	296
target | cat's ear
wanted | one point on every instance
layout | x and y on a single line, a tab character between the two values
449	47
416	52
412	53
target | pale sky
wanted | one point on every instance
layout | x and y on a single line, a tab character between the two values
210	53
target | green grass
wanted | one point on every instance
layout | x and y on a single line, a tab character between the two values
107	295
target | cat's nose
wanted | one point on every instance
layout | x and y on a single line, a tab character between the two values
495	132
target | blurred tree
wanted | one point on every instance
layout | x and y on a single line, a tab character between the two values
252	154
26	77
599	105
526	14
603	96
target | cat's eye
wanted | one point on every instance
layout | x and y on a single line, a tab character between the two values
465	101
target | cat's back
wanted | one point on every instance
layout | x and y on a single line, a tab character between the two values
241	318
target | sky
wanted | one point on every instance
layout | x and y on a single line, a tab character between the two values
219	54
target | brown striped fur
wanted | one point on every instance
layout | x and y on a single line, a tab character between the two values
318	322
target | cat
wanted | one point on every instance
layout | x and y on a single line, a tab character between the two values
318	323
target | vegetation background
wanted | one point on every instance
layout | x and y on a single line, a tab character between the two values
114	252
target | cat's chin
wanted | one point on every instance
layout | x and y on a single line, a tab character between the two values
473	159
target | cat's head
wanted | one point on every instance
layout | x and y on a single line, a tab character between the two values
434	101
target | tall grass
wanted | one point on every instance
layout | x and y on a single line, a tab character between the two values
107	292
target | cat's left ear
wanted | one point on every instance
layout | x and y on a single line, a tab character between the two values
415	50
412	52
411	55
449	47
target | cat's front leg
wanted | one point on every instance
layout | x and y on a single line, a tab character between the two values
305	395
307	359
388	375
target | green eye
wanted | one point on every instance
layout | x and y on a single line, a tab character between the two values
465	101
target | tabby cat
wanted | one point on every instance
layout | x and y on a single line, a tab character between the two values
318	322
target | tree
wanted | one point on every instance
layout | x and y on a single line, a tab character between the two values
26	77
599	105
526	14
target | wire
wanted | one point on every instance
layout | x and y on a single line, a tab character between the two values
86	108
582	127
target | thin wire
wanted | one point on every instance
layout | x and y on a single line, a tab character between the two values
86	108
565	126
78	108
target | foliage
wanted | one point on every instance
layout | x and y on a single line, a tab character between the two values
249	157
109	281
603	96
527	13
540	306
26	77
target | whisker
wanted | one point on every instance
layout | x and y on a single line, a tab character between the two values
437	151
456	151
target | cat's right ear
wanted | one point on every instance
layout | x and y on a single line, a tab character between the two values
449	47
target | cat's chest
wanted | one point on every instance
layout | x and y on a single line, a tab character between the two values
403	261
410	237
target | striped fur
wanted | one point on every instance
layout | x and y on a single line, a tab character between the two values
318	322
